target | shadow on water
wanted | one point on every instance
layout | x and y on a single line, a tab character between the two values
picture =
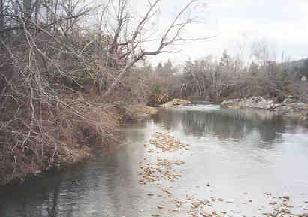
105	186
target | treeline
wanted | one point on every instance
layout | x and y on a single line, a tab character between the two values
227	77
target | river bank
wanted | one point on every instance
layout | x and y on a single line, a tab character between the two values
289	107
78	139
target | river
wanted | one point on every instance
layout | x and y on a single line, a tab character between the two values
245	158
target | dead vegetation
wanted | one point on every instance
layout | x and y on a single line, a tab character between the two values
166	142
160	171
60	136
63	67
161	167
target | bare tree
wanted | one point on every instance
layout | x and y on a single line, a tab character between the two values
49	61
1	15
126	52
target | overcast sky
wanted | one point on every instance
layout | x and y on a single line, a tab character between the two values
235	25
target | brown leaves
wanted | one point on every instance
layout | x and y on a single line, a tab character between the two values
167	142
161	169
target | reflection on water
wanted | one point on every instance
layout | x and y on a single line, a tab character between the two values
235	151
225	124
261	128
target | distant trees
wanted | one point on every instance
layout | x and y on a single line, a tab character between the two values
304	69
210	78
229	77
166	69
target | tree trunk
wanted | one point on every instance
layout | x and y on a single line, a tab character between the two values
37	11
1	17
27	11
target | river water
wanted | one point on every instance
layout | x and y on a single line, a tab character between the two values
245	157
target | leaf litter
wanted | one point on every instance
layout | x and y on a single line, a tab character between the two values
163	169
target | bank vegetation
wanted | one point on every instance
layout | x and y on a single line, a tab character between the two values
69	75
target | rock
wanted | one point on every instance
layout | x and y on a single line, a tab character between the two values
176	102
196	204
289	107
231	103
138	112
158	99
257	102
290	99
285	197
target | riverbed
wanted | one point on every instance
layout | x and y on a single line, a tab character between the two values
243	162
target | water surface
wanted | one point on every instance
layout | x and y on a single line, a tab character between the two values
235	155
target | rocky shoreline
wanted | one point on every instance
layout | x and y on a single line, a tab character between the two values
176	102
289	107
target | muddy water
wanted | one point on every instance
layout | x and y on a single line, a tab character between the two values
247	159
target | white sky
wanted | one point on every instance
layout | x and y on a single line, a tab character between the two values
236	24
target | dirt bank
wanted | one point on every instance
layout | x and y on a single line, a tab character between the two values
78	137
